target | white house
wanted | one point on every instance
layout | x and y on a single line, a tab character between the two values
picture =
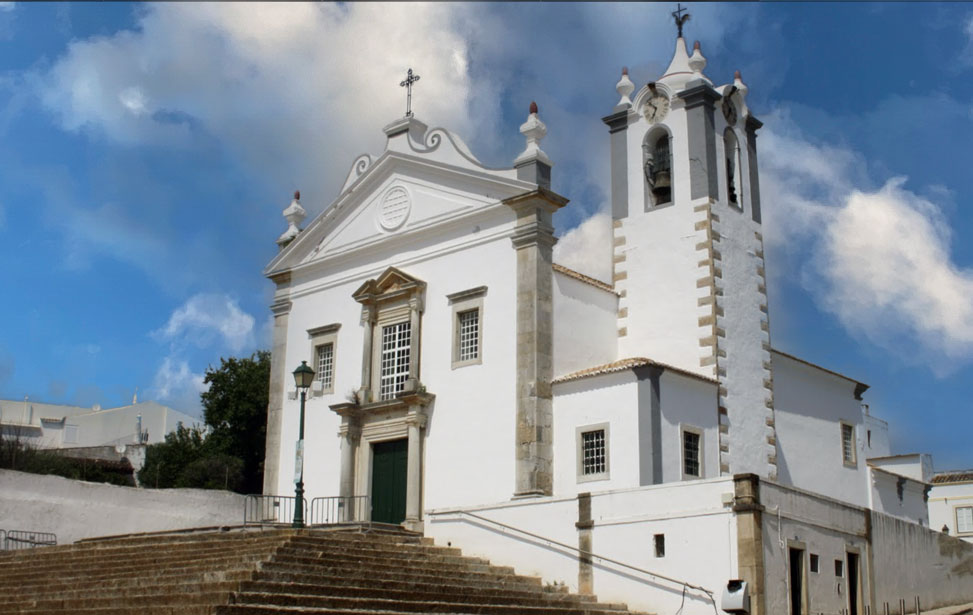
639	438
61	426
951	503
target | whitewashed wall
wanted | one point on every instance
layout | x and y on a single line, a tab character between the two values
623	402
686	401
917	466
75	509
943	502
902	559
876	436
691	516
916	561
898	496
612	399
820	526
585	325
473	416
808	405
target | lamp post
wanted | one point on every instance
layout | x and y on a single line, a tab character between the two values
303	376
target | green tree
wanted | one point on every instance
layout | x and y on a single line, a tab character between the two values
235	410
166	461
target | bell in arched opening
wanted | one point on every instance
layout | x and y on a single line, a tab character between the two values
658	170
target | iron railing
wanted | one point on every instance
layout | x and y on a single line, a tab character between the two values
340	509
271	509
14	540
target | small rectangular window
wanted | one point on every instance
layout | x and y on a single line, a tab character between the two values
70	434
848	443
469	335
396	350
691	453
839	568
660	545
593	450
325	366
468	318
964	520
814	562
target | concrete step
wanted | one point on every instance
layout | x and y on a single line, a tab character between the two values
353	559
425	592
411	606
478	577
172	600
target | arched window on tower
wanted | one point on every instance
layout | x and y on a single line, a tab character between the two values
731	152
658	168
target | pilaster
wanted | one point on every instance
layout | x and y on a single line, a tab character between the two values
618	129
750	549
278	376
699	98
533	239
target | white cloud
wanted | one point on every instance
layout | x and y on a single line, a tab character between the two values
6	7
587	247
208	318
297	90
877	258
885	258
177	385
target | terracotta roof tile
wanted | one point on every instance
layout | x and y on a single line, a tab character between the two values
625	364
953	477
571	273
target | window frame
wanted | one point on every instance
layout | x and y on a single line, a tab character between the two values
698	431
579	450
463	302
853	461
322	336
380	356
956	517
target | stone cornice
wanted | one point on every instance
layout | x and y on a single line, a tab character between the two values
554	200
325	330
753	124
281	307
700	94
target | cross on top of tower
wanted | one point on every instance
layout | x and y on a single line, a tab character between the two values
680	18
407	84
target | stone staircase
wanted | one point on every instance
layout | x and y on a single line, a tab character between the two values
280	571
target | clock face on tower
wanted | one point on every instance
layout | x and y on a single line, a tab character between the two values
729	111
656	108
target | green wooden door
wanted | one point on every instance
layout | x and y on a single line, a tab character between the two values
389	472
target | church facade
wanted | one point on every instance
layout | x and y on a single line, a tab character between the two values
641	437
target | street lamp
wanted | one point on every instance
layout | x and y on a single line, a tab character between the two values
303	376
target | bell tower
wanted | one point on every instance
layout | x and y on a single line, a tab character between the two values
688	259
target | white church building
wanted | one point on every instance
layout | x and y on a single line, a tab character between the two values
641	439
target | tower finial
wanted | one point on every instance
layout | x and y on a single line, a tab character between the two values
407	84
680	18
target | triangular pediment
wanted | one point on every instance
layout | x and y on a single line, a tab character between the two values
398	195
392	282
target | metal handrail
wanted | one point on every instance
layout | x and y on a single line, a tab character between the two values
13	540
340	509
270	509
656	575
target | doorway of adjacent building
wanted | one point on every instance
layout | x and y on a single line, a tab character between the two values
853	585
796	580
389	474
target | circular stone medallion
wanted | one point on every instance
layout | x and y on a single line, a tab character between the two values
394	209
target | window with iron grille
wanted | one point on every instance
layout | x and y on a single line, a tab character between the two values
690	453
593	453
848	443
325	365
964	520
396	347
469	335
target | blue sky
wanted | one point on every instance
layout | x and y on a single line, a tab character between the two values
146	152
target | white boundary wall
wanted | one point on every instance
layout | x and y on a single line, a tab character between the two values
700	541
75	509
